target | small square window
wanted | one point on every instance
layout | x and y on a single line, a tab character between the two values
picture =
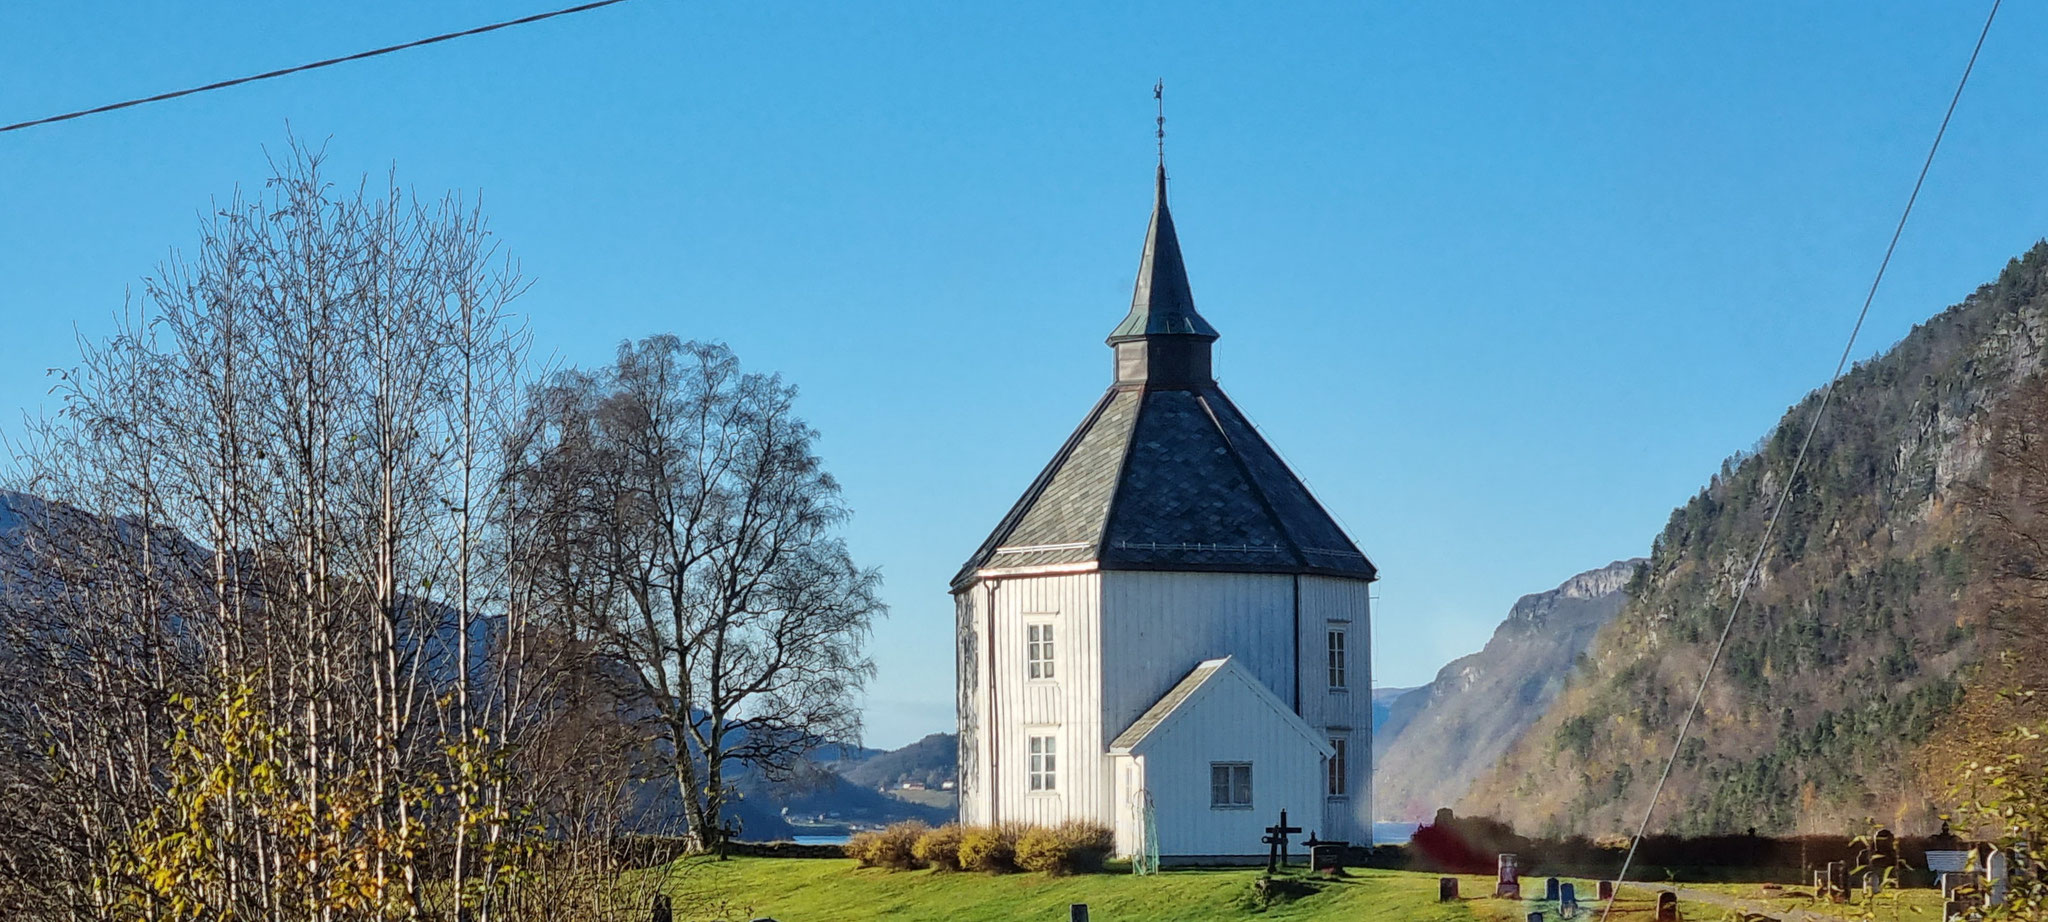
1044	769
1038	651
1230	784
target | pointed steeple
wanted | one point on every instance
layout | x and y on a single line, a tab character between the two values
1162	304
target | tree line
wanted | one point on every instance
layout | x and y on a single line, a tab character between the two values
325	605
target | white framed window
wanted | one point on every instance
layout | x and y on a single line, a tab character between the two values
1038	651
1339	765
1230	785
1340	665
1044	769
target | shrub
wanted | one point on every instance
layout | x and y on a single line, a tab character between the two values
861	847
895	846
989	848
1070	847
940	847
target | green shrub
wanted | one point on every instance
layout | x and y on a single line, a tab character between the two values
940	848
989	848
1040	849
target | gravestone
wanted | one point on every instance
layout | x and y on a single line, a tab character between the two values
661	911
1446	889
1327	856
1550	889
1508	878
1077	912
1999	870
1568	901
1667	906
1947	853
1838	880
1955	910
1536	917
1605	891
1276	843
1951	881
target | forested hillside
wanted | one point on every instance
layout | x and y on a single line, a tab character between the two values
1858	639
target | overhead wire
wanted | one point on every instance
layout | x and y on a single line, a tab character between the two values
1798	463
316	65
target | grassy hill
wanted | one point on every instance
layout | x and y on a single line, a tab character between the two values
1858	641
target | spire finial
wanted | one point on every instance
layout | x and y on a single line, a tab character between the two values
1159	96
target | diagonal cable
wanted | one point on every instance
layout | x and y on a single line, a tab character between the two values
316	65
1798	462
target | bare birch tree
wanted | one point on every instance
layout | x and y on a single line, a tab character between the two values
691	535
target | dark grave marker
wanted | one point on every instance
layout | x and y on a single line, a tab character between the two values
1446	889
1077	912
1276	843
1568	901
1605	891
1550	889
1667	906
1535	917
1508	878
661	911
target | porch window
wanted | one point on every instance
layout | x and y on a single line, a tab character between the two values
1230	785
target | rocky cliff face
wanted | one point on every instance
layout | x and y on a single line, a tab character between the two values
1438	738
1854	646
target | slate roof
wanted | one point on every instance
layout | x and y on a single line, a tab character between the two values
1161	477
1208	673
1169	479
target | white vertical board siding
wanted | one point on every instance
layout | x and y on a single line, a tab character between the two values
1329	603
1156	626
1226	722
1127	776
1061	707
970	702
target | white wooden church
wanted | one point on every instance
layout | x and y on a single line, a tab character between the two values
1167	633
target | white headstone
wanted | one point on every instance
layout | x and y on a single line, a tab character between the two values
1999	869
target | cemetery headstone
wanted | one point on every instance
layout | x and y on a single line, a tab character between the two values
1535	917
2000	873
1550	889
1276	843
661	911
1568	901
1884	852
1605	891
1946	853
1446	889
1508	879
1077	912
1838	880
1667	906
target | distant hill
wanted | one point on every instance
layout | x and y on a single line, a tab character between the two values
931	761
1439	738
1383	703
1859	639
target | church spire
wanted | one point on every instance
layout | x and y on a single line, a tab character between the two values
1162	304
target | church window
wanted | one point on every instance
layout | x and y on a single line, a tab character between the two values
1340	671
1338	766
1038	650
1230	784
1044	772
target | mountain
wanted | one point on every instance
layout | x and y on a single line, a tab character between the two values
931	761
1438	739
1383	704
1859	639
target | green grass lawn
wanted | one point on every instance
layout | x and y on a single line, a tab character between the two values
826	890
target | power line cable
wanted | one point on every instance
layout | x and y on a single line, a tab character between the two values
1798	462
316	65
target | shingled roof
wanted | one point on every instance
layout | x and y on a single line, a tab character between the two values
1168	477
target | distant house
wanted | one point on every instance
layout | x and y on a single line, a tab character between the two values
1167	633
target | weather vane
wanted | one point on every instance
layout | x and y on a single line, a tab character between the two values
1159	95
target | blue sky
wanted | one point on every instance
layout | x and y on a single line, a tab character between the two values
1504	282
